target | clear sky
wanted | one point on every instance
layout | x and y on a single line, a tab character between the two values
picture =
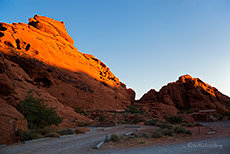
146	43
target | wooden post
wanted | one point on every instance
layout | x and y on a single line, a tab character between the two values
115	118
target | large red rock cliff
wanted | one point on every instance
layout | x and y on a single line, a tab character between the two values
184	94
40	56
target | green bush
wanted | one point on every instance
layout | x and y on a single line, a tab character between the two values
189	111
175	119
218	116
197	124
145	135
184	124
188	132
136	120
151	123
79	110
102	118
36	112
81	124
28	135
166	132
132	109
164	125
35	135
47	130
190	125
114	138
227	114
52	134
66	132
156	134
134	135
25	135
179	130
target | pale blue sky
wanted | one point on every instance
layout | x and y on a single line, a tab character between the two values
146	43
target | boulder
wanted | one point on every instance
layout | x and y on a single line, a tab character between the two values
11	121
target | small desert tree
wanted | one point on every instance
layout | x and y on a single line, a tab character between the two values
37	113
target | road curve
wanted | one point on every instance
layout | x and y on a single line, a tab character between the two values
79	144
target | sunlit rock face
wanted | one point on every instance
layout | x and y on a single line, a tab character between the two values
47	40
40	56
184	94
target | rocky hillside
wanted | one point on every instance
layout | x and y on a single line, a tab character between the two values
186	93
40	56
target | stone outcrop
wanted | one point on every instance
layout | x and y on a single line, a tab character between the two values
10	121
186	93
40	56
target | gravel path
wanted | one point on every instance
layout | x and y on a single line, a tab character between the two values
83	143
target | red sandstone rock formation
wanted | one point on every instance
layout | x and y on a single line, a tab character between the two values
40	56
186	93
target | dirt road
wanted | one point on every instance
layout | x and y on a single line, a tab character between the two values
79	144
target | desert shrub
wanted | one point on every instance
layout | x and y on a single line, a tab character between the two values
145	135
132	109
190	125
52	134
184	124
47	130
165	125
79	110
189	111
114	138
175	119
102	118
188	132
35	135
81	124
136	120
36	112
166	132
28	135
25	135
151	123
134	135
179	130
218	116
197	124
227	114
156	134
66	132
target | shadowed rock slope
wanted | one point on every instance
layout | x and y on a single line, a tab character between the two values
186	93
40	56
